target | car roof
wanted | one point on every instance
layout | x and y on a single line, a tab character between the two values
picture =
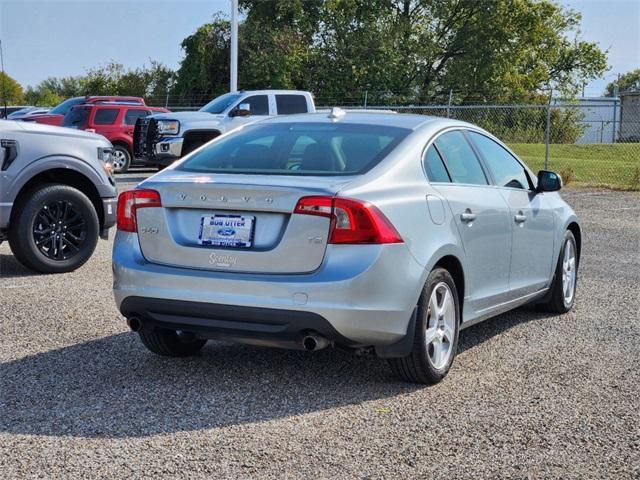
364	117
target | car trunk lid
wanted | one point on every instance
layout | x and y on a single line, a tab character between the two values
197	207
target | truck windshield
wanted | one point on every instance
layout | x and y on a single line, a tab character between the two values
221	103
298	149
64	107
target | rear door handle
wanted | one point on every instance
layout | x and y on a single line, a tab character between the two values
467	216
520	217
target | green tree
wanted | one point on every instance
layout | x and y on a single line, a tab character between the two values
398	50
10	91
42	97
630	81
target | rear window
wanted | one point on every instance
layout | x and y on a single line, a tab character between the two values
105	116
289	104
76	117
298	149
64	107
132	115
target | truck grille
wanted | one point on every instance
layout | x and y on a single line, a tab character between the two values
144	136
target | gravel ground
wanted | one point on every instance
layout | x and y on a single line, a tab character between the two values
529	396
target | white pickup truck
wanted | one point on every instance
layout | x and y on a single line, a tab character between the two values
161	139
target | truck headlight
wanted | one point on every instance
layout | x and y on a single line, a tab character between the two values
105	155
170	127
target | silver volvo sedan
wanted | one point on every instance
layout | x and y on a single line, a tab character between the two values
377	232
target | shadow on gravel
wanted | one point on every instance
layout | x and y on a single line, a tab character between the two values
112	387
11	268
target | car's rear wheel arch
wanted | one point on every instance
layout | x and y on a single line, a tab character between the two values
60	176
451	264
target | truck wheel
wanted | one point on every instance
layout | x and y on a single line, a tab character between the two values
436	336
191	146
55	229
121	159
169	343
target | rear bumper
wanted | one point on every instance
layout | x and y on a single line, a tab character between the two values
366	293
258	326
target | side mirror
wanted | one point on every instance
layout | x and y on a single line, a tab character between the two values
549	181
242	110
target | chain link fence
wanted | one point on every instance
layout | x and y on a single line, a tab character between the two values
593	142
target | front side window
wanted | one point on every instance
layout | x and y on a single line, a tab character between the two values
258	104
298	149
505	169
290	104
105	116
461	161
76	117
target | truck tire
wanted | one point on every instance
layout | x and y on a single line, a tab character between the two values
55	229
191	146
169	343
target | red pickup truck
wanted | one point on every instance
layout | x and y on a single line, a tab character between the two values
115	121
57	113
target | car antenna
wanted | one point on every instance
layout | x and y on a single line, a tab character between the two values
4	94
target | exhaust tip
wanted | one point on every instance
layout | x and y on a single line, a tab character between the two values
309	343
135	324
314	342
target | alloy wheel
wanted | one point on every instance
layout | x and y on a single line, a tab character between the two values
441	325
118	160
59	230
569	272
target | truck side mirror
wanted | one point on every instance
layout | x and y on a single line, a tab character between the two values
242	110
549	181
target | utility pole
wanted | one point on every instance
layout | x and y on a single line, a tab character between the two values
233	87
4	92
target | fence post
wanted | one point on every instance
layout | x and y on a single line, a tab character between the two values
547	137
366	93
449	104
615	112
166	100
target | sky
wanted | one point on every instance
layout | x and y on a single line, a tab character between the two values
43	38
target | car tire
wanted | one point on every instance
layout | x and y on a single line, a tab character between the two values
436	332
121	159
169	343
55	229
562	293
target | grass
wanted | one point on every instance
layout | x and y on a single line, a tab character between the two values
611	165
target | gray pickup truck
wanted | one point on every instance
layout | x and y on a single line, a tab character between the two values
57	194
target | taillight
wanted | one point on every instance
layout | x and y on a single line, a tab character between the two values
131	201
352	221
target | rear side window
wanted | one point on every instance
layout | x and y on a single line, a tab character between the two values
433	164
76	117
460	159
132	115
505	169
298	149
105	116
290	104
259	104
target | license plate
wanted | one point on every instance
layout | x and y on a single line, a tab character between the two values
227	231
